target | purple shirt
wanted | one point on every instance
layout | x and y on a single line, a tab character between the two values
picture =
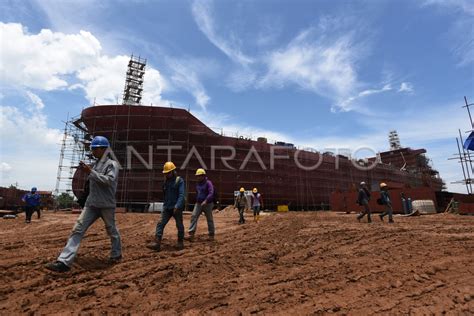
205	191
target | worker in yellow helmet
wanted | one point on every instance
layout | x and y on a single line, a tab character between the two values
204	203
241	203
257	204
173	205
385	200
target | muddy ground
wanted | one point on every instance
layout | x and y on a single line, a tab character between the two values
293	263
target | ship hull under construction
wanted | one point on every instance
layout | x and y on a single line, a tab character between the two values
144	137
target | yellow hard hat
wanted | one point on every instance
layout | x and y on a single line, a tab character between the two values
168	167
242	190
254	190
383	184
200	172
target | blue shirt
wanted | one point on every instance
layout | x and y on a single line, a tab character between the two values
32	199
173	190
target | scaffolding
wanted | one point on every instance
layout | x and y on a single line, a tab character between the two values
464	156
132	93
73	149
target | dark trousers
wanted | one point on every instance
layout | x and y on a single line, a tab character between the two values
388	212
166	215
241	214
365	211
29	210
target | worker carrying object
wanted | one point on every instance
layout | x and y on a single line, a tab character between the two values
204	203
241	203
100	203
173	206
32	200
257	204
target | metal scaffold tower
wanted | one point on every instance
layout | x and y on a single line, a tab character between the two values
73	149
132	93
465	153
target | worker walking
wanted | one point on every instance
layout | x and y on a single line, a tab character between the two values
363	199
385	199
173	205
32	200
241	204
204	203
100	203
257	204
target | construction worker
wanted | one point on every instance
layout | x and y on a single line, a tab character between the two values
257	203
173	205
385	197
32	200
241	204
363	199
100	203
204	203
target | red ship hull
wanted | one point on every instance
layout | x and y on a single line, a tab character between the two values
147	131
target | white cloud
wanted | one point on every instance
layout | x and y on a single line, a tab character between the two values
316	63
53	60
465	6
202	12
346	104
405	87
185	76
44	60
29	148
459	34
35	100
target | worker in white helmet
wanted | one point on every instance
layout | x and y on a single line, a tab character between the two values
363	199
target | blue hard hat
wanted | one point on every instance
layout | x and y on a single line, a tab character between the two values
34	189
99	141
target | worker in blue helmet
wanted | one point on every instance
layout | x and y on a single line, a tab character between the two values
32	200
100	203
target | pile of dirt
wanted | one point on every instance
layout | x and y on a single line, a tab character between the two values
299	263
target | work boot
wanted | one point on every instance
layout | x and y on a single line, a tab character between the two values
390	221
156	246
57	266
211	238
115	260
359	217
381	217
369	220
180	245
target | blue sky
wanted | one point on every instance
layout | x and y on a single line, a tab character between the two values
325	74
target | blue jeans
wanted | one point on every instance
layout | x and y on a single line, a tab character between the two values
198	209
85	220
166	215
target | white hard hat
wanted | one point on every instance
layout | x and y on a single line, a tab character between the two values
362	183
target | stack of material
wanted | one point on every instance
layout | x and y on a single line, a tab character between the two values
424	206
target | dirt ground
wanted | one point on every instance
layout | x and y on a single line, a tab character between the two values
292	263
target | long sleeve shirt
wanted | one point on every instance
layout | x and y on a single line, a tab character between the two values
205	191
103	181
174	192
241	201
